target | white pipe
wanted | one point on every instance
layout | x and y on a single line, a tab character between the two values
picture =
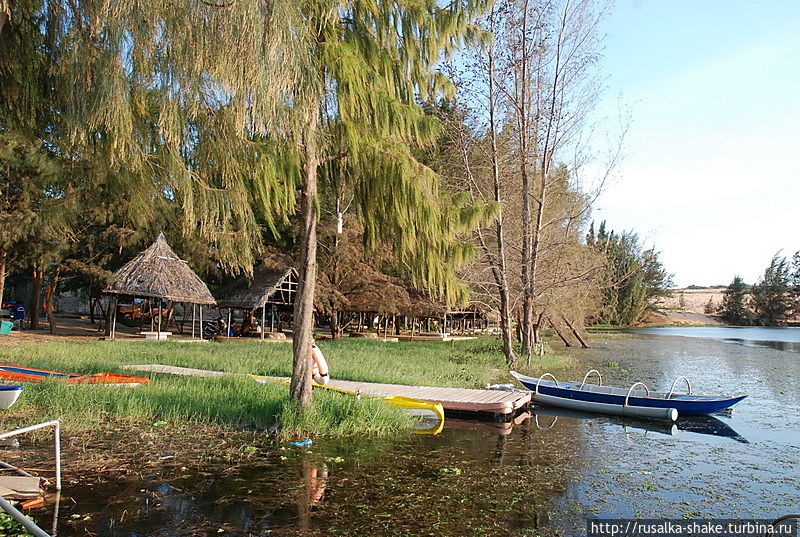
607	408
58	455
36	427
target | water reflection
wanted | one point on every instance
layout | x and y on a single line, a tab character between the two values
783	339
792	346
706	425
310	496
543	473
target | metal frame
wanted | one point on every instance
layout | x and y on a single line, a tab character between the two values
630	391
540	380
688	385
586	376
7	506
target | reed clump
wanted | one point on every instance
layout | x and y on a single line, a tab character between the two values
236	401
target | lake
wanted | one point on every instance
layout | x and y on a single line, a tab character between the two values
548	472
777	338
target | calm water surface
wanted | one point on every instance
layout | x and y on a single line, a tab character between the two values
777	338
547	473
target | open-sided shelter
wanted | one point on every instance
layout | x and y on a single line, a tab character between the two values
158	273
273	289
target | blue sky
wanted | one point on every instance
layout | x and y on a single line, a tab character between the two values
711	174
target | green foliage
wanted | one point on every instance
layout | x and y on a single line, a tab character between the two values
372	62
11	528
710	308
773	299
161	113
237	401
734	307
637	280
33	202
192	118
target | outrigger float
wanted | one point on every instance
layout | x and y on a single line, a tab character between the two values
27	374
636	401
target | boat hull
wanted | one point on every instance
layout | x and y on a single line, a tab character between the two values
567	394
9	395
28	374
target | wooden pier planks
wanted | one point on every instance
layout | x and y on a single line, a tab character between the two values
457	399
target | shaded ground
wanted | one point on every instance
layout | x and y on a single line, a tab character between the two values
67	329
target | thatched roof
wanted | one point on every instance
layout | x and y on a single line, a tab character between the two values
382	295
422	305
159	273
267	286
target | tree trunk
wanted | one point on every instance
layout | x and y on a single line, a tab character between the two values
304	301
565	340
107	316
500	270
48	300
5	13
576	333
527	239
334	323
3	257
36	296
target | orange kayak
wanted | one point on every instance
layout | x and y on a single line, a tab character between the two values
28	374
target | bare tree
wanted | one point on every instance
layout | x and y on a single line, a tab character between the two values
528	94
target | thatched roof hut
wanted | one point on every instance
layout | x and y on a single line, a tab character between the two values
158	273
267	286
423	306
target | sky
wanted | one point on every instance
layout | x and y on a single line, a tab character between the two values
711	168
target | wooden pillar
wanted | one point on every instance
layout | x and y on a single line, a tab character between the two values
113	302
263	320
230	316
159	318
200	307
193	319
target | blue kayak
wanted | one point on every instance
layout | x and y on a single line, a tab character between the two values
637	400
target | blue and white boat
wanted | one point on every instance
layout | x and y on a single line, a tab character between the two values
9	395
636	401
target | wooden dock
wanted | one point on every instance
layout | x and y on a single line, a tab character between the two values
454	399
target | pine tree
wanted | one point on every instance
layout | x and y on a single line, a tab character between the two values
734	307
772	299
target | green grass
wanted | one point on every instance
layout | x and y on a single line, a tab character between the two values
237	401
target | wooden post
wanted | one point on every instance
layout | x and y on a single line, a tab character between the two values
272	321
193	319
200	307
113	317
230	316
159	319
263	320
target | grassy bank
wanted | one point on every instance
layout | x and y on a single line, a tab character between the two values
236	401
